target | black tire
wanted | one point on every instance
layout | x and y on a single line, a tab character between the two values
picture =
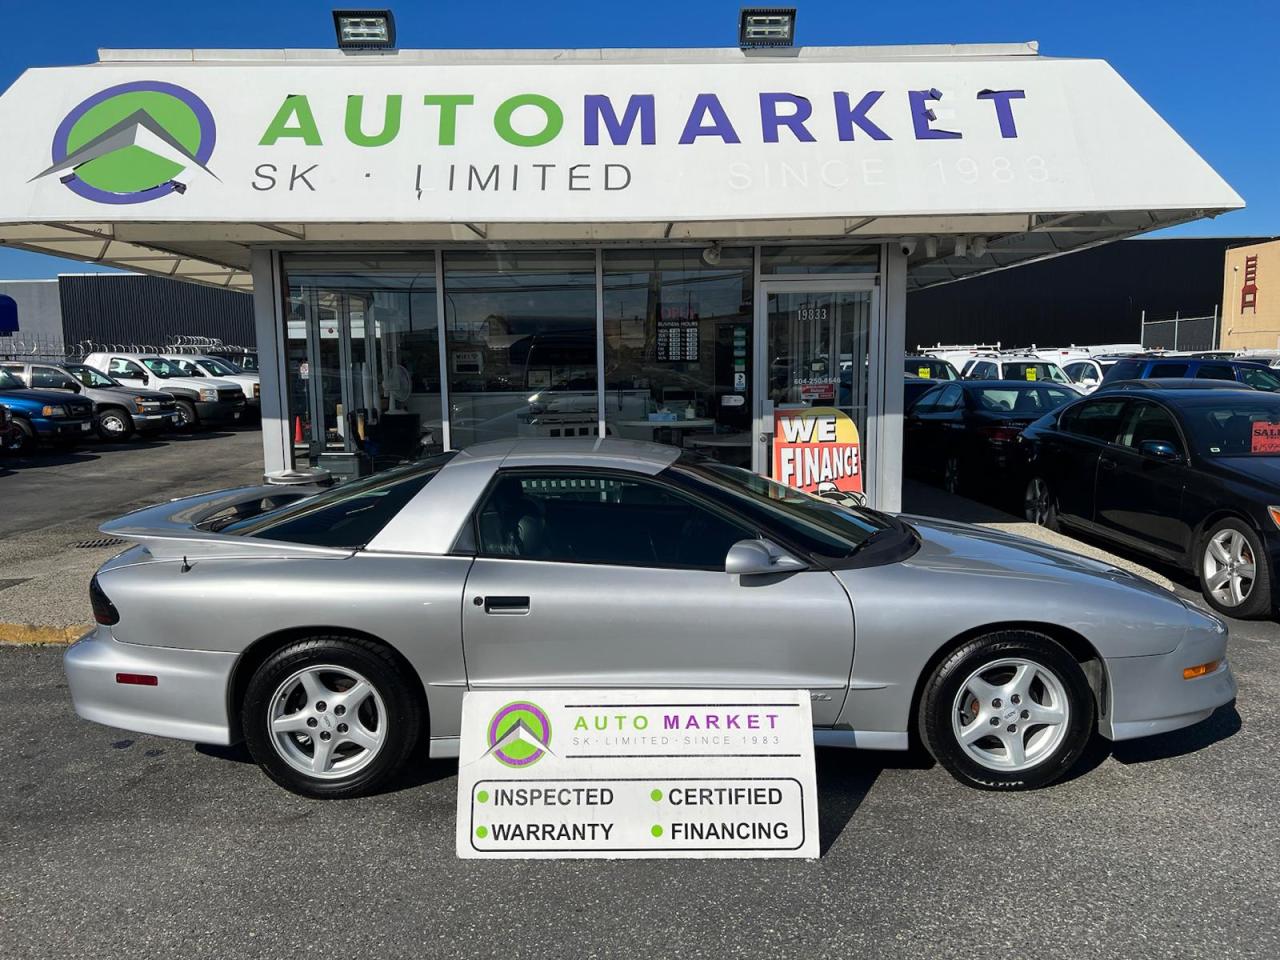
952	475
188	418
944	687
405	715
115	425
1040	504
1257	600
22	438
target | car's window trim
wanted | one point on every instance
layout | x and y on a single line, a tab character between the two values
471	528
1135	403
1124	400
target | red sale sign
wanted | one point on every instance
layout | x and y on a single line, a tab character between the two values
816	447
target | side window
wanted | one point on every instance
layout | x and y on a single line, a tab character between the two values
601	518
1150	421
47	378
1260	379
17	369
1124	370
949	399
1077	371
1168	369
120	367
1215	371
1096	419
927	401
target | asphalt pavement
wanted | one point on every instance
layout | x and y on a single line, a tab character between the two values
118	845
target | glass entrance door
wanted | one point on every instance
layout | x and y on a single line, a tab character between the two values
815	352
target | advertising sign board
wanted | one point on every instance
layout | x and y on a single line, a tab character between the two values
816	447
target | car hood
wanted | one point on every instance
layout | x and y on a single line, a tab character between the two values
949	546
155	395
1261	470
63	398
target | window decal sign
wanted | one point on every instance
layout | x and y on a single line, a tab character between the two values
817	447
636	773
1266	438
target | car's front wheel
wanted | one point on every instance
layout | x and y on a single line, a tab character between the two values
331	717
115	424
1235	576
188	419
1038	504
1010	710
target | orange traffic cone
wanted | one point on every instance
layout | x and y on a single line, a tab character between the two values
297	430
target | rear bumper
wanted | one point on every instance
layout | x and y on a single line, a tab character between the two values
1148	695
188	702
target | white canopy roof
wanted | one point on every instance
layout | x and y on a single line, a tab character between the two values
179	162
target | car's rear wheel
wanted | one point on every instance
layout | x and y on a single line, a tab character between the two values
331	717
951	474
188	419
1235	576
1038	504
1010	710
115	424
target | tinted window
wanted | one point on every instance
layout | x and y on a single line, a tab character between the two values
90	377
1078	371
1168	369
1031	401
1098	419
949	399
929	369
349	515
47	378
120	366
982	370
1124	370
927	400
1248	424
8	381
572	517
1150	421
1215	371
1034	371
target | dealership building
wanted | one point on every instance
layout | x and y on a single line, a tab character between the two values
446	247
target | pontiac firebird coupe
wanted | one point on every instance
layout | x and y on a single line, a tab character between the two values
333	631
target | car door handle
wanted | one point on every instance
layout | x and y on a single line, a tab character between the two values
506	605
1105	464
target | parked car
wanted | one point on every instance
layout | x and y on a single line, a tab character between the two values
119	411
7	437
200	400
243	359
1256	375
930	368
1028	368
961	434
912	388
1173	383
1087	373
1190	476
332	633
195	365
46	416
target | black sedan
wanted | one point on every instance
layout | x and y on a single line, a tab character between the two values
961	433
1191	477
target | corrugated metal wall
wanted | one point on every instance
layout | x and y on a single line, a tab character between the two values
128	309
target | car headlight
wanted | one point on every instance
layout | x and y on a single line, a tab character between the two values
54	411
209	395
138	405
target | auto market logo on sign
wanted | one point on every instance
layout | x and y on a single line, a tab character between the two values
130	143
520	734
816	449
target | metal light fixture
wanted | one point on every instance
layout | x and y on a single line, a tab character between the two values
767	27
364	29
979	246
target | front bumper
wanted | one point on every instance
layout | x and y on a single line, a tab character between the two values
220	411
1148	695
156	422
62	428
188	702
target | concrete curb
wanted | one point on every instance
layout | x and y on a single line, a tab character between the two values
30	634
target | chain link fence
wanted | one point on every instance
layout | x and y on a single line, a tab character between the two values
1188	334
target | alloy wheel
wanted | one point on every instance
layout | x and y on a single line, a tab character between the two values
1230	567
327	721
1011	714
114	424
951	475
1036	502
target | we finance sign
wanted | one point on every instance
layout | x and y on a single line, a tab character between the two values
816	450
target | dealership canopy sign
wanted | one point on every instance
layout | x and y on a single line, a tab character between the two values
587	142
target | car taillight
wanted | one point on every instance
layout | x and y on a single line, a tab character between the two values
104	611
1000	434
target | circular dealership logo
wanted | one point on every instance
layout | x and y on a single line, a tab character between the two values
519	734
131	142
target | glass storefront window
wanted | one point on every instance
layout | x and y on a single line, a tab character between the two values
843	260
362	360
521	336
678	348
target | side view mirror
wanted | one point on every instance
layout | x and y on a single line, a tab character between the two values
1159	449
751	557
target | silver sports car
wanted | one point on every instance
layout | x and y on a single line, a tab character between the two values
333	630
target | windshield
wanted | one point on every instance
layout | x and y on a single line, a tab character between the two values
165	369
1259	378
1246	425
1032	401
821	527
348	515
219	368
927	368
1035	371
9	382
90	377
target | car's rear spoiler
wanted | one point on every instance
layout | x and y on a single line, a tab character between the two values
173	529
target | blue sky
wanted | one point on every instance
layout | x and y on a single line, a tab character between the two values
1207	68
